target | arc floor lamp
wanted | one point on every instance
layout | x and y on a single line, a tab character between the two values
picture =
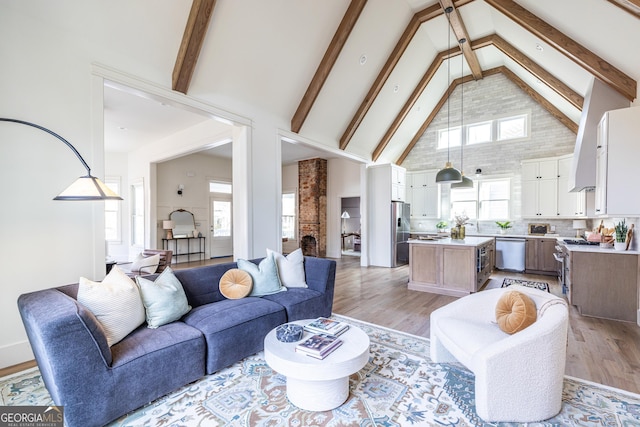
86	187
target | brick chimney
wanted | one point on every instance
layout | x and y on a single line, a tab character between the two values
312	206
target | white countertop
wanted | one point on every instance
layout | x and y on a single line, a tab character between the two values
467	241
598	249
508	235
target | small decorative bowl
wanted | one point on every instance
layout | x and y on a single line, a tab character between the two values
289	332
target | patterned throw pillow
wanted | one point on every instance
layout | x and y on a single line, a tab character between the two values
290	268
164	299
265	276
115	302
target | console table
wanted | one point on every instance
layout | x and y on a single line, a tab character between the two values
191	247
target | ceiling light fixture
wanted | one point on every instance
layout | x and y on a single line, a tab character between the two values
363	59
539	47
466	182
449	174
84	188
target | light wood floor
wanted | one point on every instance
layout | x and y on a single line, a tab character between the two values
602	351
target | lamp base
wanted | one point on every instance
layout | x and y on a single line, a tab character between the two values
169	234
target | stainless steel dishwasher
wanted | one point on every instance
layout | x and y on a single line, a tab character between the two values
510	253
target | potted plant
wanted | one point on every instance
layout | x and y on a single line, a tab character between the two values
441	226
621	236
504	226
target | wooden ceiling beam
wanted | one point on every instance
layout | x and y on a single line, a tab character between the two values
631	6
531	66
511	76
412	28
413	98
328	60
192	41
568	47
462	37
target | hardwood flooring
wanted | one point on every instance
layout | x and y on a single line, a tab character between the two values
602	351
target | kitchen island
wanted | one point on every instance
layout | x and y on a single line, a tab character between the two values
450	267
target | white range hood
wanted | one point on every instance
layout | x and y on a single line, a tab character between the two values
599	98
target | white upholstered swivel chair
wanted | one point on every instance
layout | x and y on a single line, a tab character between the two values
519	377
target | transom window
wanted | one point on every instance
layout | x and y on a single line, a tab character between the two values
502	129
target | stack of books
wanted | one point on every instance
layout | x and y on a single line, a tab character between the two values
322	325
319	345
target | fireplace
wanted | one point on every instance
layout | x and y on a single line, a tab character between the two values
309	246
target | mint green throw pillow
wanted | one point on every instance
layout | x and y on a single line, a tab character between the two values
265	276
164	299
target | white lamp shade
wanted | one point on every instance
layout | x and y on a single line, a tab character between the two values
345	214
167	225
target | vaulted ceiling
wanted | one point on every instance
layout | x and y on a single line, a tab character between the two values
376	89
363	76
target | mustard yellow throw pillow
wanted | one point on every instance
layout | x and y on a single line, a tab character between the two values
515	311
235	284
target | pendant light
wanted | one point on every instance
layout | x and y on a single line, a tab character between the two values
449	174
466	182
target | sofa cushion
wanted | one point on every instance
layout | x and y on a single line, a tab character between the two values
164	299
115	302
234	328
236	283
515	311
301	303
290	268
265	276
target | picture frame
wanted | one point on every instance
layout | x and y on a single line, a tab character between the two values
538	229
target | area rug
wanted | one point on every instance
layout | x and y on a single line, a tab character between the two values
398	387
543	286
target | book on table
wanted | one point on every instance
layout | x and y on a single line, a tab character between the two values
322	325
319	345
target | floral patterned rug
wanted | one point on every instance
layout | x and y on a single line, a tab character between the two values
398	387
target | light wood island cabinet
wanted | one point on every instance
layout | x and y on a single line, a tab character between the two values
450	267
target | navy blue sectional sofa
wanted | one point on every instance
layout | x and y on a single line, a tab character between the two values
97	384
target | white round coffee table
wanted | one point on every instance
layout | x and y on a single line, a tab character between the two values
314	384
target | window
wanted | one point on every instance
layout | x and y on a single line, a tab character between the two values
289	215
512	127
137	214
489	199
449	137
479	132
465	201
112	218
494	197
220	187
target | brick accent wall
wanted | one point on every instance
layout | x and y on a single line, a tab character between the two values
312	205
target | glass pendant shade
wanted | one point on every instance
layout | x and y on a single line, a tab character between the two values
448	175
465	183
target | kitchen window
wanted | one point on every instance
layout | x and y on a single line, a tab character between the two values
449	137
479	132
489	199
512	127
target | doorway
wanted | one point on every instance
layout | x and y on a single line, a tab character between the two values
350	226
221	229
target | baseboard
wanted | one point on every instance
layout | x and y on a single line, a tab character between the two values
15	354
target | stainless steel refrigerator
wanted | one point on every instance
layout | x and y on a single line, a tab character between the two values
400	229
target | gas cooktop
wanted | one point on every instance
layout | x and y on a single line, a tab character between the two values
579	242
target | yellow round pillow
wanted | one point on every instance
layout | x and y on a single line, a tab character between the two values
236	284
515	311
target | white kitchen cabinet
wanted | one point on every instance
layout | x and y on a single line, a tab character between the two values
398	183
423	193
545	189
617	154
570	204
540	188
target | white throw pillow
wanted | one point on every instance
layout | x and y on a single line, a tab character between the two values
144	264
290	268
115	302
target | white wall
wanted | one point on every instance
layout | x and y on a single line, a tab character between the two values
343	181
47	243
